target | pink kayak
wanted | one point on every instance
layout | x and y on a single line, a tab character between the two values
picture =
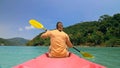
73	61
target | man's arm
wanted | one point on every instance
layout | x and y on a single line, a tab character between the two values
68	42
44	35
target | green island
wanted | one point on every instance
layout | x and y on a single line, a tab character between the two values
102	33
17	41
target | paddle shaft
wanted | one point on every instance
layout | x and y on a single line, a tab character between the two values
76	49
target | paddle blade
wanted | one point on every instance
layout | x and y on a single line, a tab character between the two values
36	24
87	55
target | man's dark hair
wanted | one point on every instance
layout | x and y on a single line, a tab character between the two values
57	24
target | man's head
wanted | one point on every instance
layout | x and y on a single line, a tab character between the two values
59	26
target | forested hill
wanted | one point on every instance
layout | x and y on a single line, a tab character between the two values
104	32
13	41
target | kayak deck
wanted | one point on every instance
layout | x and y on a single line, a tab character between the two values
73	61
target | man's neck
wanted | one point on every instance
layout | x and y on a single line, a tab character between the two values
59	30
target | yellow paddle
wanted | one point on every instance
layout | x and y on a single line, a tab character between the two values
84	54
38	25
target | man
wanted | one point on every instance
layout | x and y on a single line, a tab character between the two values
59	41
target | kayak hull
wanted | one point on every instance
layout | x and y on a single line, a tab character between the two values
73	61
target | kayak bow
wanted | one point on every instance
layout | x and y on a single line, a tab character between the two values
73	61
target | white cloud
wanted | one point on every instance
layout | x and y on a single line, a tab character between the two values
26	28
20	29
29	27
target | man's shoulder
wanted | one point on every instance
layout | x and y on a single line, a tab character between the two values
64	32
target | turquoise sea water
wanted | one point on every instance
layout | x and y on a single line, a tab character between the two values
13	55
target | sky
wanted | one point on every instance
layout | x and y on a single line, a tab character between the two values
15	14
